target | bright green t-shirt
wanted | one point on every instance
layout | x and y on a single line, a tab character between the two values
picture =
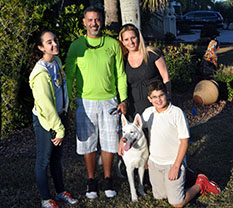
97	66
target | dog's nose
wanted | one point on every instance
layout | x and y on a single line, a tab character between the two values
124	139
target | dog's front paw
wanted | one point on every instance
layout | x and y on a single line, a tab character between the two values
141	192
134	199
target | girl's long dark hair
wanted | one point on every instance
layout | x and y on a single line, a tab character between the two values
36	54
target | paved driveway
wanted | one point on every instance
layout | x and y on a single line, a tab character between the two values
226	36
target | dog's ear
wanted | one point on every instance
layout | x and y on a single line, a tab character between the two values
138	120
124	121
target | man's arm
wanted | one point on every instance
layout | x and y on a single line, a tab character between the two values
174	171
121	80
70	67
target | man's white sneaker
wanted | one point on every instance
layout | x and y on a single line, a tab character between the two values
110	193
92	188
108	190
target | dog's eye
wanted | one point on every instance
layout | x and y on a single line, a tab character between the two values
131	132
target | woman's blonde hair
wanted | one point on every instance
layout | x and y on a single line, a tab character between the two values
141	44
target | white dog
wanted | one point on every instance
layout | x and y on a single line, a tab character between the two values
135	152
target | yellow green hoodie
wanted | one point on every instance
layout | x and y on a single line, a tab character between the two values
44	100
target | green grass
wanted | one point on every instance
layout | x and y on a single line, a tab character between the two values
210	153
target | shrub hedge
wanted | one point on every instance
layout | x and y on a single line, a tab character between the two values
182	65
15	28
225	75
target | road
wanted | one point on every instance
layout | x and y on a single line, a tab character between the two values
226	36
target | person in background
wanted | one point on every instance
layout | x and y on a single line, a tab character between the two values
142	64
48	83
210	58
95	61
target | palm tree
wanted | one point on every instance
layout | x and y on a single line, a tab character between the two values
111	14
130	12
155	5
130	9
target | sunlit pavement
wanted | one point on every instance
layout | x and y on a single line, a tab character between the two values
226	36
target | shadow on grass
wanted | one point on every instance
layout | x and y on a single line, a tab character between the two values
211	153
225	55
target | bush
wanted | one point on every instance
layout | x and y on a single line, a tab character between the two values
182	65
15	28
67	26
225	75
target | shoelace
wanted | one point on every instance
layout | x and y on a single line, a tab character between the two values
114	112
203	189
53	203
67	195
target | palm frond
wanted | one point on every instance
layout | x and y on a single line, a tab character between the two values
154	5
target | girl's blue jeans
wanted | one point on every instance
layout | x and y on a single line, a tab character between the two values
47	155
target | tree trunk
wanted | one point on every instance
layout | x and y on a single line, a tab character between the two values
130	12
111	15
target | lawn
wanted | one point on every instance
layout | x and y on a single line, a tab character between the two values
210	153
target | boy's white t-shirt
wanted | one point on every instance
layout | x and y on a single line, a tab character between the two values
165	131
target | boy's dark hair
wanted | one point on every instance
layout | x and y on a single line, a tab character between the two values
156	85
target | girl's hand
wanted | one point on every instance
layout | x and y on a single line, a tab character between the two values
57	141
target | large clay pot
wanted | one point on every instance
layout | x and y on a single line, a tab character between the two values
206	92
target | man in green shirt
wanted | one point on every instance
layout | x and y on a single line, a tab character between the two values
95	61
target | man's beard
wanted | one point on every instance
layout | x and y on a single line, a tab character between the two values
95	32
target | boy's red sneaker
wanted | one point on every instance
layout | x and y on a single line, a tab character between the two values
207	185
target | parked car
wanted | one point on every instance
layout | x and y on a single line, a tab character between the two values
198	19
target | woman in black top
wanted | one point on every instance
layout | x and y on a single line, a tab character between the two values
142	64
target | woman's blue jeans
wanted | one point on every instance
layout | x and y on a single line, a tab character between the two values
47	154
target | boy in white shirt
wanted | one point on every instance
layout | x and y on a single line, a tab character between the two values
169	137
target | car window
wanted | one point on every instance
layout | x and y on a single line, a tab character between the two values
198	15
210	14
189	16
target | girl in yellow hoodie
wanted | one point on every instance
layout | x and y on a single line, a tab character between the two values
48	83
